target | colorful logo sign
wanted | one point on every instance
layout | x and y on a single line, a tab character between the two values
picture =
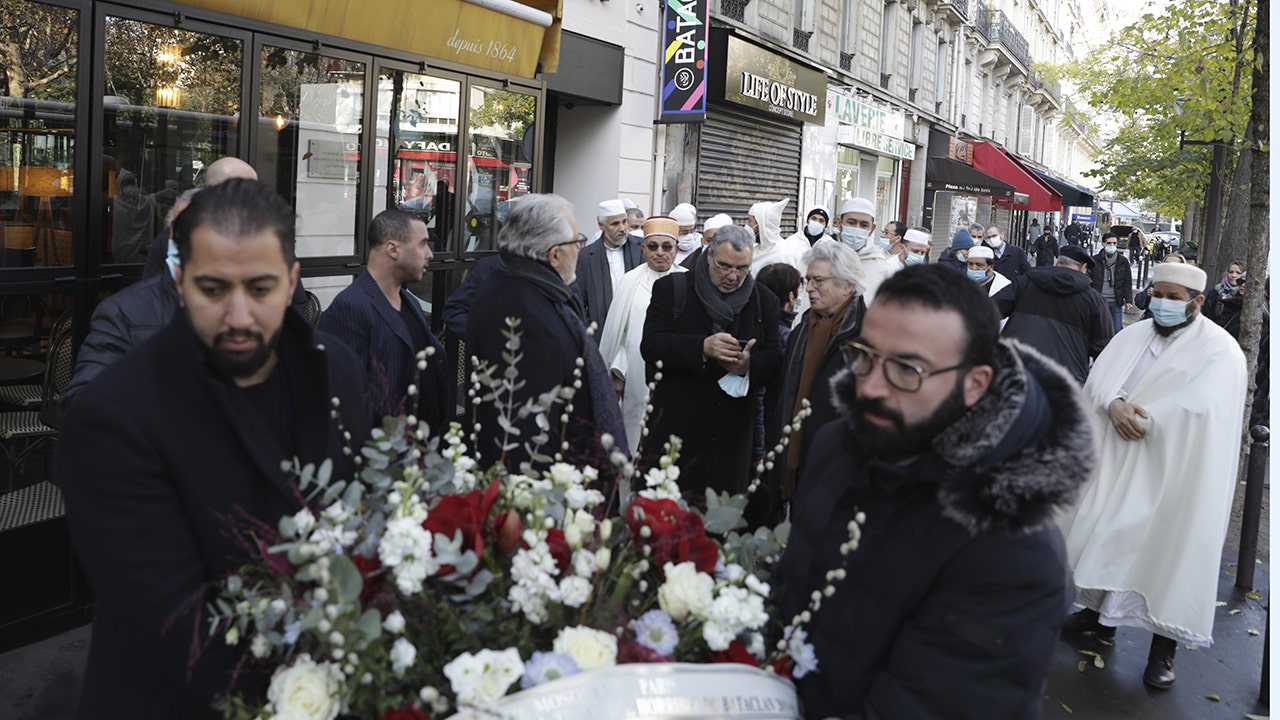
684	62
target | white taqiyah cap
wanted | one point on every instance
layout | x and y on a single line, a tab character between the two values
917	236
1188	276
858	205
629	204
715	222
609	208
977	252
685	214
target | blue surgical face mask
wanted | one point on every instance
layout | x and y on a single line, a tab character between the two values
977	275
854	237
1109	249
913	259
885	243
1168	312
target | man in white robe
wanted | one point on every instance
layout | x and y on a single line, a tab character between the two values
855	227
1145	539
765	219
624	328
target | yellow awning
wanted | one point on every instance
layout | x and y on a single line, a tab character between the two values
501	35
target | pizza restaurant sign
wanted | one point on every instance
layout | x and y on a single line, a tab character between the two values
867	126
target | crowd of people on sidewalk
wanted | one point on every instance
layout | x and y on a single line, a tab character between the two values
990	415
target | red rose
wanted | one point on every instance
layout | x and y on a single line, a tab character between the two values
634	652
736	653
508	528
469	513
373	580
782	666
410	713
560	549
675	535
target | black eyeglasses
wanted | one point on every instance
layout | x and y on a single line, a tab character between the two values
580	241
901	374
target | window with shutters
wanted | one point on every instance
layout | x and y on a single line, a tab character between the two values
1026	130
887	22
917	58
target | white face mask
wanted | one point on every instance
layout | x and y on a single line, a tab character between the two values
688	243
854	237
815	228
995	242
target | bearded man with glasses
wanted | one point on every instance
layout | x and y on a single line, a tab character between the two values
959	449
716	335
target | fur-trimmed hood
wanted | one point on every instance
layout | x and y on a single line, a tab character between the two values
1016	456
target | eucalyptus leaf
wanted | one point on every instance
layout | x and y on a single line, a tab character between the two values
346	578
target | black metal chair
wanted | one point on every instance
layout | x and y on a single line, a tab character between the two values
31	395
22	431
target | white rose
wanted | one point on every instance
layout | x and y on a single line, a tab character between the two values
584	563
575	497
394	622
484	677
403	653
686	592
305	691
575	591
585	521
591	649
564	475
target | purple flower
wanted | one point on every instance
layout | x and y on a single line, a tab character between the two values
655	631
547	666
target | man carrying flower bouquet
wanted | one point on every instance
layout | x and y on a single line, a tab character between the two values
178	447
957	450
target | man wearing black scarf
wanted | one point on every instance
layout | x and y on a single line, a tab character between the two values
716	336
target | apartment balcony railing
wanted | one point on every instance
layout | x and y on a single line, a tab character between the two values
1003	32
1052	87
960	8
982	19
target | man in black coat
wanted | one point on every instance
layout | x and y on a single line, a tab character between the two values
538	254
959	451
1010	261
1113	278
1046	248
1056	311
383	323
602	264
178	447
716	334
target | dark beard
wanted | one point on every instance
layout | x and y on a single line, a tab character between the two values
1163	331
903	441
228	367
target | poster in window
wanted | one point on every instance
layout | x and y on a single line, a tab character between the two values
964	212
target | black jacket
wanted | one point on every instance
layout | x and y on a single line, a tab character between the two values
159	462
1046	248
953	598
1122	280
1056	311
717	430
595	284
1012	261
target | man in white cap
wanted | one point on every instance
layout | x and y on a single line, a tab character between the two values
1145	540
601	265
709	228
916	243
981	269
620	341
689	239
857	225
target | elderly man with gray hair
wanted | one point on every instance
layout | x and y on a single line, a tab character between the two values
715	334
835	286
538	250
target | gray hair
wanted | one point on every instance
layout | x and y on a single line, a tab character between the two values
1068	261
180	203
635	212
977	230
846	268
736	236
535	224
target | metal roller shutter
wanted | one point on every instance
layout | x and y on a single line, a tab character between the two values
743	159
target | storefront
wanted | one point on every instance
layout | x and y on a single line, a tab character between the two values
749	146
1033	195
873	160
956	194
115	108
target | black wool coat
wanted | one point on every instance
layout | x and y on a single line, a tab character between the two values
595	283
716	429
158	462
953	598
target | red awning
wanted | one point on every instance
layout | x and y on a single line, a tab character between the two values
998	163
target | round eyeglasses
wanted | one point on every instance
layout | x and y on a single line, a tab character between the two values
902	374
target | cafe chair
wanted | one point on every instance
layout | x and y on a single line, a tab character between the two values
313	311
23	431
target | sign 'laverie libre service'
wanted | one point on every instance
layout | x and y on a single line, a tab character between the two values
867	126
766	81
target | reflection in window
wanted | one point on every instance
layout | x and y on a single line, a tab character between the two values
310	120
171	108
425	138
37	133
499	160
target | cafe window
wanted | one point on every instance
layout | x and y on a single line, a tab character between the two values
37	135
171	108
310	120
419	177
500	142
